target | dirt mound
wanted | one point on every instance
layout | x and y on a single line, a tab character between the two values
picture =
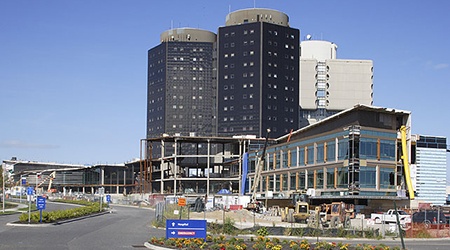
238	216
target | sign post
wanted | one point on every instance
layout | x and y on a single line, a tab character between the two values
186	229
181	203
40	204
30	192
101	192
23	183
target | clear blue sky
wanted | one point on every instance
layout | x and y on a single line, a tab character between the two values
73	73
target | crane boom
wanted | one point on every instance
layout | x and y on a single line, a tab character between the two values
406	163
258	169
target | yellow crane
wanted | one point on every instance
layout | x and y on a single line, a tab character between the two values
406	163
49	178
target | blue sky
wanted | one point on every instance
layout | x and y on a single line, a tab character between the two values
73	73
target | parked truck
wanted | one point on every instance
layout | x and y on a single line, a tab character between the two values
391	217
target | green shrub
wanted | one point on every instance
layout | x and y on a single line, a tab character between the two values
262	231
58	215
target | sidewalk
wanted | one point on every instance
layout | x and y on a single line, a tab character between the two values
15	209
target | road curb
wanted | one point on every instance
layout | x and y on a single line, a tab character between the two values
16	224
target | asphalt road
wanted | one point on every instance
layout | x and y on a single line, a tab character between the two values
124	228
129	228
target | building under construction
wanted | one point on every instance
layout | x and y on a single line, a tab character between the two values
192	165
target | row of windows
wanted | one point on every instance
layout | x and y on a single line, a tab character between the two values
330	151
287	35
245	85
181	116
194	59
181	126
194	78
244	96
193	97
251	74
244	118
274	97
193	107
245	64
325	178
193	68
275	44
231	129
271	32
244	107
232	34
232	45
182	49
245	53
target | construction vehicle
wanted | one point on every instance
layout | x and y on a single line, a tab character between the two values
334	214
49	178
254	205
300	212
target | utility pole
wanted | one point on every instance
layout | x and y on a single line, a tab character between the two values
3	187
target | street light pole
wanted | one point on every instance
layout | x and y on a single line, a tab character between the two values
3	187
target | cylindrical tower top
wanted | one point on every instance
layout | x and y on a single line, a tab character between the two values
188	35
257	15
317	49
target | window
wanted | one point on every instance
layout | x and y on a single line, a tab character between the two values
331	151
368	148
387	150
320	153
343	149
367	177
387	177
310	155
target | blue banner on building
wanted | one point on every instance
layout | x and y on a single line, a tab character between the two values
244	172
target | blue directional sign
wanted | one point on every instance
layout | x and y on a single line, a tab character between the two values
24	181
186	229
30	191
40	203
108	198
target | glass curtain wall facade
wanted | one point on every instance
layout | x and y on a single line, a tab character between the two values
431	169
341	162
